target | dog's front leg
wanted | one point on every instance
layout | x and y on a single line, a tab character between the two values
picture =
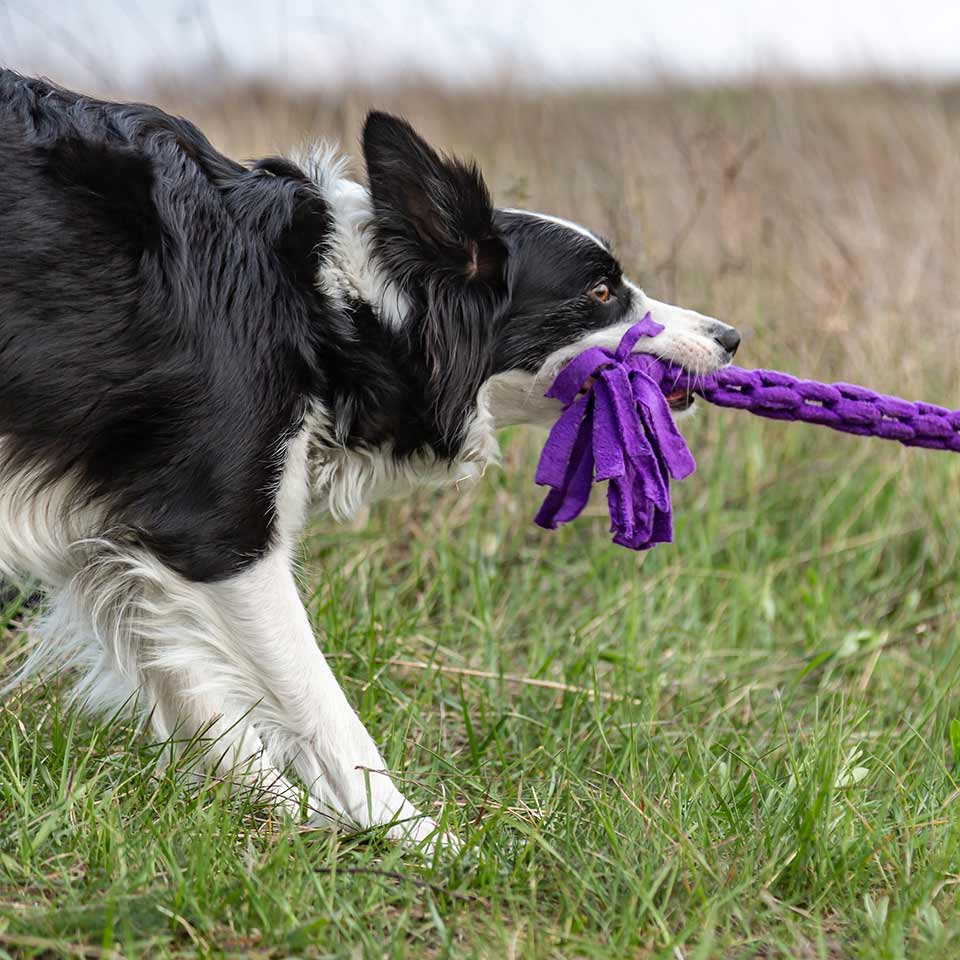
310	718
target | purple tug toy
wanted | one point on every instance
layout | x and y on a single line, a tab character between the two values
616	426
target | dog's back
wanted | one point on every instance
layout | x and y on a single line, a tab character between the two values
155	299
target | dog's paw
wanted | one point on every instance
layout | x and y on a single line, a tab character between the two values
424	835
419	833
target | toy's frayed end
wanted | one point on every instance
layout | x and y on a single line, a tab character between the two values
616	426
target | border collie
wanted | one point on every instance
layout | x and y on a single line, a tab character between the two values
194	352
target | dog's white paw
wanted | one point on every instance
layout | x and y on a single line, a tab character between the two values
426	836
418	832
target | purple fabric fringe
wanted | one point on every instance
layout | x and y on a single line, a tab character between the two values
618	429
616	426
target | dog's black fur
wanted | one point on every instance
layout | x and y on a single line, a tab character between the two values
191	349
161	329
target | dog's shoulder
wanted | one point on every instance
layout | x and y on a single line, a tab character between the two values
160	321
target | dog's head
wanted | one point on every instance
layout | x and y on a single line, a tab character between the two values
503	298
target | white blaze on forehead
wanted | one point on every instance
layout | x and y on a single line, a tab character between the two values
560	222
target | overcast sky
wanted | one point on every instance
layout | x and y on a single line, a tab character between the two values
541	41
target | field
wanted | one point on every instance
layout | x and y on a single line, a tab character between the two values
742	745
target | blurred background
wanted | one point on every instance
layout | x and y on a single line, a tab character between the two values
568	43
792	168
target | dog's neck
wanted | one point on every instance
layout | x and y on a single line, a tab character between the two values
381	439
351	272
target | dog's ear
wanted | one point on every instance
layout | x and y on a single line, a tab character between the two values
433	212
434	233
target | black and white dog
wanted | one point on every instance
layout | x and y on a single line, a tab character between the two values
195	352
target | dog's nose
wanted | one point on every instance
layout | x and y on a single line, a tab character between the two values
727	337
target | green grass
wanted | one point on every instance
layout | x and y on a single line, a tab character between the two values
736	746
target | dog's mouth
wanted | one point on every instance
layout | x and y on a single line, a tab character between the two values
680	400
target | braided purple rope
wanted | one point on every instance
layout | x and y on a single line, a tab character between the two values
616	426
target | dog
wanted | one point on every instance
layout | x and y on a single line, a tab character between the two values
194	352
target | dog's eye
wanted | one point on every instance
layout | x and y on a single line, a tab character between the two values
601	292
